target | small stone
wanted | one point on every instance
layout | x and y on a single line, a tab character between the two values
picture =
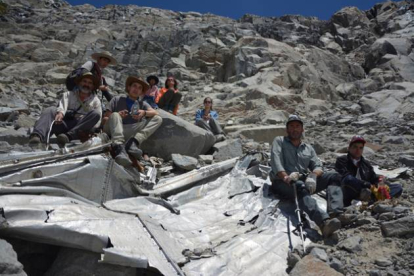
387	216
183	162
365	220
320	254
382	262
375	273
398	228
394	140
365	123
382	208
292	259
207	159
336	264
407	160
352	244
401	210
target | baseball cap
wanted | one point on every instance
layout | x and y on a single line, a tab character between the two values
357	138
294	118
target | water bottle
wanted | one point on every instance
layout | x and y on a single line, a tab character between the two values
135	108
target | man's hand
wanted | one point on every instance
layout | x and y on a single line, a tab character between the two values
103	88
59	118
140	115
310	183
123	113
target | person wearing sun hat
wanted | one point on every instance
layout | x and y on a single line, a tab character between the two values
78	111
129	121
102	60
358	176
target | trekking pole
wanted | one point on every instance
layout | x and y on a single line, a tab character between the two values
48	135
297	211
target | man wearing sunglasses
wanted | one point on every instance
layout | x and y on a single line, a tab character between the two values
358	176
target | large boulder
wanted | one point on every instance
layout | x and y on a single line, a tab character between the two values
176	135
388	102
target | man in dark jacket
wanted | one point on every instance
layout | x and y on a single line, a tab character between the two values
357	173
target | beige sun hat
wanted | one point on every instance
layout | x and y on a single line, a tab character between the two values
90	76
131	79
104	54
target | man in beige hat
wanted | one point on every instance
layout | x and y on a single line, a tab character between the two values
78	111
103	59
129	118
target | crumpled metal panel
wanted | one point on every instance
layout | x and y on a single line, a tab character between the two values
97	178
225	227
120	237
230	226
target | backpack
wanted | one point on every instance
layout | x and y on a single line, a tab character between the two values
71	78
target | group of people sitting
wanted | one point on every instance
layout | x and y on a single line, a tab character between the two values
353	179
130	119
127	119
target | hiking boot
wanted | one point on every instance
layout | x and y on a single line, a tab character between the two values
34	140
132	148
330	226
62	140
121	157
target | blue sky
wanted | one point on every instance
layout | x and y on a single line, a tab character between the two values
237	8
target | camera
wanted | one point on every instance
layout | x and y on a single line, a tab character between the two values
70	114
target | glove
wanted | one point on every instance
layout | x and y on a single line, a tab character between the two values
294	176
310	183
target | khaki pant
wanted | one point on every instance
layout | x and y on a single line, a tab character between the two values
140	130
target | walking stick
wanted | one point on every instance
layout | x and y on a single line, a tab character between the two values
297	211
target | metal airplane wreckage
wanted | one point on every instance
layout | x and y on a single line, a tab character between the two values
220	219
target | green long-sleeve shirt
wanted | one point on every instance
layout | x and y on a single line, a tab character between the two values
286	157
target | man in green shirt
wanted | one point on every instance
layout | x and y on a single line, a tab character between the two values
289	154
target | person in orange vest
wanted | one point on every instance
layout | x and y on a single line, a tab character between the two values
168	97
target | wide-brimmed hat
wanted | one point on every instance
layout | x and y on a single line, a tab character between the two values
90	76
104	54
293	118
357	138
131	79
152	77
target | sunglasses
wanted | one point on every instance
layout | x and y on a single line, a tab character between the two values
207	102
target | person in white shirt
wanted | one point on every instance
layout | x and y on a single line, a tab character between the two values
78	112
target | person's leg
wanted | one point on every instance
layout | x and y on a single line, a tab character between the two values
331	181
306	202
146	130
108	96
204	125
166	99
395	189
351	189
42	125
114	128
175	101
215	127
85	124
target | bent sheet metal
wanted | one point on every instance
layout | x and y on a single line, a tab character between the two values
229	226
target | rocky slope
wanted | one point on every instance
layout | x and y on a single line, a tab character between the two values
352	74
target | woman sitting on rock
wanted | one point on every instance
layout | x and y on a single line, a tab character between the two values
207	117
169	97
152	93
